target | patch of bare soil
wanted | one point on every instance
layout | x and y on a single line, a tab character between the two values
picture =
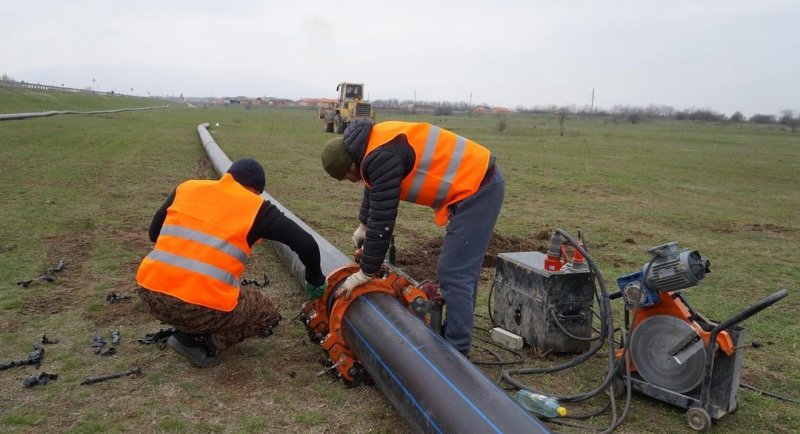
65	288
122	313
501	243
73	286
728	228
10	326
420	262
768	227
203	169
123	284
618	262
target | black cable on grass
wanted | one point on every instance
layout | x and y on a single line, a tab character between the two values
519	357
489	305
590	415
769	394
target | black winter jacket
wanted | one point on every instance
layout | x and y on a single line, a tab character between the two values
384	169
271	224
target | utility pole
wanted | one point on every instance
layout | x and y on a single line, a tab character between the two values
469	107
591	110
414	110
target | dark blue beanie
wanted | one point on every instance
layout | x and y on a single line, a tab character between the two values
249	173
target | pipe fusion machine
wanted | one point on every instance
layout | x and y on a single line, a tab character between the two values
677	355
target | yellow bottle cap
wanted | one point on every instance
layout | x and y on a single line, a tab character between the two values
561	411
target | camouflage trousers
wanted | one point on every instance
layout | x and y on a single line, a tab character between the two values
254	313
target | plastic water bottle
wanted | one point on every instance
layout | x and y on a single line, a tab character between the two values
542	405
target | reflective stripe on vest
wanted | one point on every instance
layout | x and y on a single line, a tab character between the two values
193	265
202	248
200	237
447	169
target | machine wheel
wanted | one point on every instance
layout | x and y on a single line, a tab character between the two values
698	419
327	127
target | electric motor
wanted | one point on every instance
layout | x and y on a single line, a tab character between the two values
672	269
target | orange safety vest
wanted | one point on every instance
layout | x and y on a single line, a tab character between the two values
202	248
447	169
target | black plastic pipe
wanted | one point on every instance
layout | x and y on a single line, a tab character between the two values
433	387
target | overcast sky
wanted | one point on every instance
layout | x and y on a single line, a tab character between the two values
725	55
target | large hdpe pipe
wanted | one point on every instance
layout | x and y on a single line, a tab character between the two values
18	116
330	257
433	387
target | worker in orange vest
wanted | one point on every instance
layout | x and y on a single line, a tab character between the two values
427	165
203	237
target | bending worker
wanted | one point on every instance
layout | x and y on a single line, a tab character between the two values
204	233
427	165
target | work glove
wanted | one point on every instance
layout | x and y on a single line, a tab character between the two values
352	282
360	235
315	292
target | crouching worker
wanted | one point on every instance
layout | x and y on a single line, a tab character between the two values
204	233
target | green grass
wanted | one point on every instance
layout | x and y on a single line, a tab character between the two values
85	188
21	419
24	101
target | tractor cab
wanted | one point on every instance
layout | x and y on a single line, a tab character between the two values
350	91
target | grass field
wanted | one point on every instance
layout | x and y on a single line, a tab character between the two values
84	188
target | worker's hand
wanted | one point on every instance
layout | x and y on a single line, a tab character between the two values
352	282
360	235
315	292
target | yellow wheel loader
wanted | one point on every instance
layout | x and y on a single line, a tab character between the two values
337	115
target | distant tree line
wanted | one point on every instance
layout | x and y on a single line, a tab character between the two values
635	114
618	113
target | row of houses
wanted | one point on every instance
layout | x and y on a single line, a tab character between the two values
243	100
422	107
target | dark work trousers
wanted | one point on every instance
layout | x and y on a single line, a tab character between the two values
465	243
254	312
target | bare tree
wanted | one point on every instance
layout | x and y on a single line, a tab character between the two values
789	120
562	116
762	119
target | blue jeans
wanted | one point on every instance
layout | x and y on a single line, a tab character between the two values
465	243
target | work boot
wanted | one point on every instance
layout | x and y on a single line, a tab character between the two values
199	349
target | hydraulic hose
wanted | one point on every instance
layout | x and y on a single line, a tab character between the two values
431	385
